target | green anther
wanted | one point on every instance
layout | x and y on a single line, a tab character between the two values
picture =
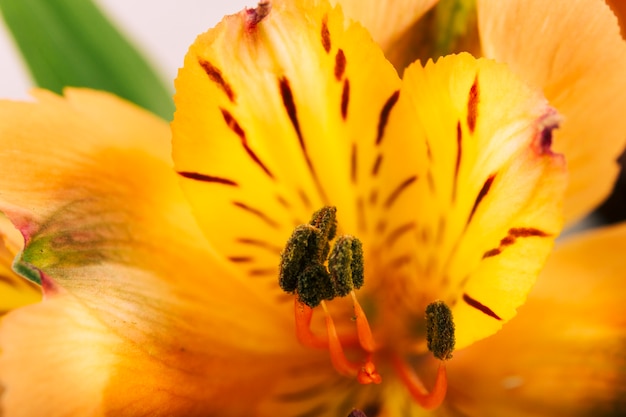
440	330
314	285
346	265
302	263
325	219
300	249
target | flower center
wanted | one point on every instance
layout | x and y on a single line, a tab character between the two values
317	274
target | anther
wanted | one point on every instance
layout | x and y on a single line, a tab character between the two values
440	330
345	265
296	257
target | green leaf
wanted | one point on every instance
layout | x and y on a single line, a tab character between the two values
71	43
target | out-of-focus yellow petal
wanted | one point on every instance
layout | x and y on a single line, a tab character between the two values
15	291
124	265
573	51
476	201
387	21
276	119
564	353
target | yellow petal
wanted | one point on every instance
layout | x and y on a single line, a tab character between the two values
480	204
124	262
275	120
15	291
564	353
387	21
573	51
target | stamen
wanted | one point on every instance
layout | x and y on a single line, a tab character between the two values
440	338
366	373
427	400
362	326
304	314
440	330
303	272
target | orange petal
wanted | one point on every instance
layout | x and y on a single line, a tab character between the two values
573	51
126	266
564	353
386	21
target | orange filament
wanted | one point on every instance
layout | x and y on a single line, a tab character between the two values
366	373
427	400
362	326
304	314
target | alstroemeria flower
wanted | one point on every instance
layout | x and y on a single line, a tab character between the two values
159	302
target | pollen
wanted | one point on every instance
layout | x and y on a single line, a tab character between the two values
346	265
440	330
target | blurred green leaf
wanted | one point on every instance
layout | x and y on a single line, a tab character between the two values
71	43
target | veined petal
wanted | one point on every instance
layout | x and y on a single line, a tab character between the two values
59	358
15	291
386	20
573	51
276	118
479	204
565	350
120	257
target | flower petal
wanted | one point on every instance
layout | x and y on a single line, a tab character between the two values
15	291
564	353
388	20
480	204
574	52
275	119
106	222
59	358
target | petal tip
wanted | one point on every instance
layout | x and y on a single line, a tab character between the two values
546	124
255	15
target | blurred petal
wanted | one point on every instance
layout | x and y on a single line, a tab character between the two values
564	353
275	120
574	52
15	291
123	261
480	205
387	21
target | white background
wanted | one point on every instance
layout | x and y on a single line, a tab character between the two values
161	29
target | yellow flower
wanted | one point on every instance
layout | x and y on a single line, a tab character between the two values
162	301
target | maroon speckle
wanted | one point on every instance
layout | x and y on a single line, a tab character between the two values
325	34
340	64
480	307
345	99
215	75
384	115
472	105
481	195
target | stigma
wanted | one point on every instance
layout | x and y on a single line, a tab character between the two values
316	274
